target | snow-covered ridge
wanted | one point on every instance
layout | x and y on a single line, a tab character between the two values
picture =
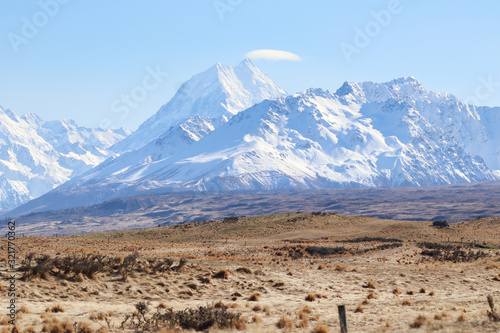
38	155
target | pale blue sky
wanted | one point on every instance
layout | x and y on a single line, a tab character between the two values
85	54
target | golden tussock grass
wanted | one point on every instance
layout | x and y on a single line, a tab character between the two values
406	302
55	309
256	319
320	329
304	322
340	268
257	308
222	274
370	284
284	323
419	321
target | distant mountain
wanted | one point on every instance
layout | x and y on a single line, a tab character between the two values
206	100
364	135
37	155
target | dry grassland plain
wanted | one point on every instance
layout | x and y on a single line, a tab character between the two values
273	273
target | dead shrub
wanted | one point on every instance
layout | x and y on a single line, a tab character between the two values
311	297
254	298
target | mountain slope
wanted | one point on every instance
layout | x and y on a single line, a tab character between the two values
364	135
214	95
36	156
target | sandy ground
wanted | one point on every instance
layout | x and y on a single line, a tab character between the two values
270	276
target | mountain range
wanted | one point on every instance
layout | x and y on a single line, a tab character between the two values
232	129
37	155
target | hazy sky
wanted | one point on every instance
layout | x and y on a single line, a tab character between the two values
78	59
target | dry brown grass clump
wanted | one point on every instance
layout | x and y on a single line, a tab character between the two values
304	322
23	309
431	293
461	318
419	321
370	284
254	298
396	291
372	295
256	319
267	310
222	274
311	297
359	309
320	329
257	308
439	316
306	309
340	268
240	324
55	309
244	270
284	323
406	302
422	290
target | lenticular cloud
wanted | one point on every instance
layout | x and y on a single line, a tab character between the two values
273	55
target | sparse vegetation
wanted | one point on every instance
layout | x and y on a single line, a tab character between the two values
201	318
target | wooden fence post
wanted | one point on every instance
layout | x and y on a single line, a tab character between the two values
343	320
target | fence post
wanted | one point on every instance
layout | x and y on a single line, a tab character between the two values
343	320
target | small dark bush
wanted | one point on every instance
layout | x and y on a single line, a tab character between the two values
200	319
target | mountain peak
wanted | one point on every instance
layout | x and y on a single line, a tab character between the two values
406	80
246	63
218	93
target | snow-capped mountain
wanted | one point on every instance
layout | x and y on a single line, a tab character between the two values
206	100
364	135
38	155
